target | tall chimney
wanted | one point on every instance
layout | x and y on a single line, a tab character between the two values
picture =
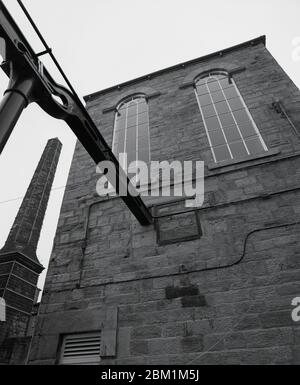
25	232
19	265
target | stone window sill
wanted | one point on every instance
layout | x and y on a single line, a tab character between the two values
271	152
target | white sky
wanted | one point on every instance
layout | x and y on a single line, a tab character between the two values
100	43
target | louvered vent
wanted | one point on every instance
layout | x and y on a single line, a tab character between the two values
80	349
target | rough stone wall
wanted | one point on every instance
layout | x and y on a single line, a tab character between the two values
222	298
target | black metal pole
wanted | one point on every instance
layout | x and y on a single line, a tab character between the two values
14	101
24	64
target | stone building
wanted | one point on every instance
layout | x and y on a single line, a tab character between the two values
210	285
19	264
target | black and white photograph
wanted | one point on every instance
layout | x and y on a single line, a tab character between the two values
150	190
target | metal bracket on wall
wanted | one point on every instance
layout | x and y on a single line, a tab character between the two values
29	81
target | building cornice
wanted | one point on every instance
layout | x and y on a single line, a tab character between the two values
256	41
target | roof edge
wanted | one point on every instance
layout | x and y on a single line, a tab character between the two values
256	41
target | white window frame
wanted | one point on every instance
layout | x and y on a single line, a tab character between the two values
211	75
127	101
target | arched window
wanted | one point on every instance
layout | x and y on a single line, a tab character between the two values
131	131
231	131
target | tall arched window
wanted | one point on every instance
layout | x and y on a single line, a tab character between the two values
231	131
131	131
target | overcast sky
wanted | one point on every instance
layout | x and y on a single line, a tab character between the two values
100	43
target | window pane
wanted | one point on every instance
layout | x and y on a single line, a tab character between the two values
143	135
144	155
212	123
143	143
132	109
241	116
238	149
120	124
132	116
222	107
232	134
143	117
131	121
211	78
247	129
201	81
236	104
227	120
208	111
254	145
231	92
142	107
131	145
204	99
218	96
213	86
121	114
225	83
201	90
217	138
119	142
122	109
221	153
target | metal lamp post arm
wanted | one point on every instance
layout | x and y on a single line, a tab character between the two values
31	82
